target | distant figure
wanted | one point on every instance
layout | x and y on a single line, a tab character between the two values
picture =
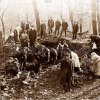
43	29
66	49
60	49
10	39
57	27
27	27
16	36
24	39
23	26
32	35
50	25
64	27
75	30
19	30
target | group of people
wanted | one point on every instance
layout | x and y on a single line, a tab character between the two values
26	35
59	25
44	56
69	60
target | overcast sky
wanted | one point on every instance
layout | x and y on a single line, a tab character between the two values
16	10
45	9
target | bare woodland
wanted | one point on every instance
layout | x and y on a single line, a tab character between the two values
43	81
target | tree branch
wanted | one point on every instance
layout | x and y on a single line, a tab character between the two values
3	12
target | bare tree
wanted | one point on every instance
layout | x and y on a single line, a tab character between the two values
94	23
70	12
2	21
36	15
98	15
11	26
81	17
61	11
27	17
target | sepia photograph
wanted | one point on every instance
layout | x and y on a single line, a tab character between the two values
49	49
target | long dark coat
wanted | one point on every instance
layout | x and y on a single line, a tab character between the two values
57	24
75	28
32	36
64	25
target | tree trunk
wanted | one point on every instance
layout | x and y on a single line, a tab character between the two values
70	12
98	15
11	26
26	13
94	21
3	27
80	27
36	15
81	17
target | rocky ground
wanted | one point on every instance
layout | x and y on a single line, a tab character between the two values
46	85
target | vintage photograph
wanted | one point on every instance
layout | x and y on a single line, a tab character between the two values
49	49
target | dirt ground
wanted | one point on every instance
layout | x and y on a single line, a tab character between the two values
46	86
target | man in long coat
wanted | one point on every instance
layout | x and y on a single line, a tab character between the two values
24	39
64	27
43	29
75	30
32	35
50	25
57	26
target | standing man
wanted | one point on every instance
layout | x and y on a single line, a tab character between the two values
75	30
32	35
64	27
50	25
16	36
60	49
27	27
43	30
23	26
57	26
24	39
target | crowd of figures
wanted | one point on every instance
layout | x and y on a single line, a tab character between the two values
33	58
21	32
30	55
